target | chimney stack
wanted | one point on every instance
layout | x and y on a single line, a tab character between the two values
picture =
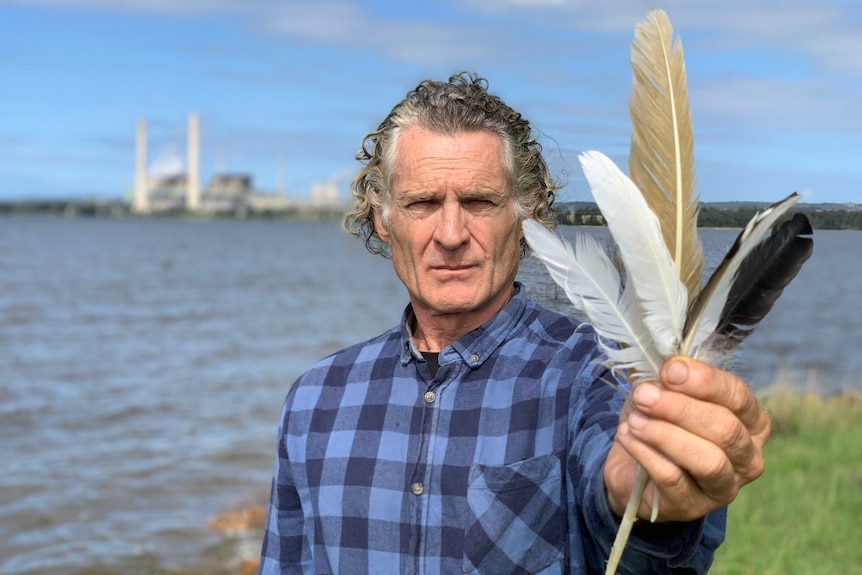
193	194
140	201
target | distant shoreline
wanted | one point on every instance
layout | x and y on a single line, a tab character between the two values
717	215
116	209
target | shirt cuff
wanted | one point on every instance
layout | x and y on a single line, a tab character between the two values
673	544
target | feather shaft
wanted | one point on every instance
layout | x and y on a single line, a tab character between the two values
627	522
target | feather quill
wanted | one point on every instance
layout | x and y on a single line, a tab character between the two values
661	159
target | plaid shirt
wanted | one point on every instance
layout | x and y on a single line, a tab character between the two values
493	466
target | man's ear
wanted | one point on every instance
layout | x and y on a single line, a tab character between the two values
380	228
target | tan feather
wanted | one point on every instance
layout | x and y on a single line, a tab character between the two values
661	160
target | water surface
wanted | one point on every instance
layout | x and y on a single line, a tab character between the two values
143	363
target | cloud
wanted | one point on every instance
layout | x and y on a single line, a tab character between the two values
825	34
340	24
156	7
774	103
820	36
359	28
169	161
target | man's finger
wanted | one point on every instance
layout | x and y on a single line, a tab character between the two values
701	381
711	422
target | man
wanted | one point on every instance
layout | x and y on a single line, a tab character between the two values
481	435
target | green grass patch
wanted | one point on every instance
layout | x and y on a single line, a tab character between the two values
804	515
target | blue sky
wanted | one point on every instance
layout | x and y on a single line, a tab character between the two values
286	90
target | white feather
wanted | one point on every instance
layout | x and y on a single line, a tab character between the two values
592	284
648	263
705	316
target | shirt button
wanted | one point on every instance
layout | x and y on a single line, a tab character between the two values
430	397
474	358
417	488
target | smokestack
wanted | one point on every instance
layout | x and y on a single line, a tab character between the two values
193	195
140	202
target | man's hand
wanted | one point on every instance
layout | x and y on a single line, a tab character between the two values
699	436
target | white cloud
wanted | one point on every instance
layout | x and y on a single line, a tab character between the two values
169	161
828	32
778	103
323	22
356	27
162	7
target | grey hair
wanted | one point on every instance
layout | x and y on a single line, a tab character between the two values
462	104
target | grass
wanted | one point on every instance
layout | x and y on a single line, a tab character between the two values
804	515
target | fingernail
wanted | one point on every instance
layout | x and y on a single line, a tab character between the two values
638	420
623	429
646	395
677	373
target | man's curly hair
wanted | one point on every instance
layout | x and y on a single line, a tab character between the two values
462	104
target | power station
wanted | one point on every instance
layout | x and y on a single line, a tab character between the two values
226	193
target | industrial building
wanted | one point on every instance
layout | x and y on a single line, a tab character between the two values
226	193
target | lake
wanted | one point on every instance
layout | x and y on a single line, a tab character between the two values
143	363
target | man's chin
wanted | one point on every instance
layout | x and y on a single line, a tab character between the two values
452	307
454	297
449	301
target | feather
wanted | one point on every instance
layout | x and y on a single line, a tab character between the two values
662	310
592	283
761	279
648	263
661	159
654	296
704	314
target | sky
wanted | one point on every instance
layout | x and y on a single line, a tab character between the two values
286	90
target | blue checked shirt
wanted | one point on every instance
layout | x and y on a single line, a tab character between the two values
493	466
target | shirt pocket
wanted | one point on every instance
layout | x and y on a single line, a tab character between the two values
515	520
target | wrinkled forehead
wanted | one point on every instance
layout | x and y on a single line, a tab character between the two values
406	136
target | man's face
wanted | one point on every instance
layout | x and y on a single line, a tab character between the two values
453	232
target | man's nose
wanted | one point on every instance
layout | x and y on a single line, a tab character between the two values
452	228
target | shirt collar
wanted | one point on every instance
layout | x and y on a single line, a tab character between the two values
478	345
